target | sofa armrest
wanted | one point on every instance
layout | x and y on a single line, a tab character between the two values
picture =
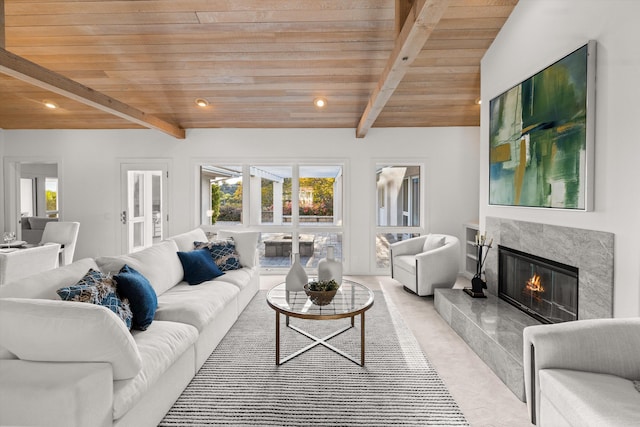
607	346
55	394
411	246
68	331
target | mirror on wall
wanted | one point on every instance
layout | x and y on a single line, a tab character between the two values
32	198
39	195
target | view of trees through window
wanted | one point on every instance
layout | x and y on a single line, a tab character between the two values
315	199
51	197
223	201
229	200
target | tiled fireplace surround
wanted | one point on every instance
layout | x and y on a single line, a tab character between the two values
492	327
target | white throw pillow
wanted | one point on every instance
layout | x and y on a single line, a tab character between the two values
158	263
246	243
433	242
66	331
185	241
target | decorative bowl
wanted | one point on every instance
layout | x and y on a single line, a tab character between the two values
321	297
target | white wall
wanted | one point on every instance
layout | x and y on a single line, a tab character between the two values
1	178
539	32
89	173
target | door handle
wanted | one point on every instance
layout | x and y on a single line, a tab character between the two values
123	217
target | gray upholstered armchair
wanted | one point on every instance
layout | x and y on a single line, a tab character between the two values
426	262
582	373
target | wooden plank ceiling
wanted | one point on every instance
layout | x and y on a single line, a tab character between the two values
260	63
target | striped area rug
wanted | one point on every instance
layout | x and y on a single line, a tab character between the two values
240	384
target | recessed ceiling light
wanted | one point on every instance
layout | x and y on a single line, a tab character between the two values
201	102
320	102
50	104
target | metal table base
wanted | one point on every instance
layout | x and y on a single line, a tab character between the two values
320	341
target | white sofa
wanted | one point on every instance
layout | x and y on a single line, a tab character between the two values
76	364
426	262
582	373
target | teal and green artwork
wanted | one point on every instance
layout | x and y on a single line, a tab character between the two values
538	138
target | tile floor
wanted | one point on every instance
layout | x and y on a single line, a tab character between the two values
482	397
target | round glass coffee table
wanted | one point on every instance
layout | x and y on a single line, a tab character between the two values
352	299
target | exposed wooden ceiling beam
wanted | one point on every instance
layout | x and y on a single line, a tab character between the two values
30	72
403	7
2	36
420	22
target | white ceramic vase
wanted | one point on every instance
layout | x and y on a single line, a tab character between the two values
296	277
329	267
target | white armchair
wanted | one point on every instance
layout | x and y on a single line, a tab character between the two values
65	234
426	262
582	373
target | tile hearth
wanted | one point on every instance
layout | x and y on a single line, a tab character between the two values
492	328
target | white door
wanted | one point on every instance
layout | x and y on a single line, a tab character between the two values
144	216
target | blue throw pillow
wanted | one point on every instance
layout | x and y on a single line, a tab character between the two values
142	298
198	266
100	289
223	253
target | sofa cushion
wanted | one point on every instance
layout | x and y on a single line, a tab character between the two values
185	241
142	298
67	331
198	266
160	346
223	252
246	243
96	288
195	305
591	399
405	262
239	278
46	284
158	263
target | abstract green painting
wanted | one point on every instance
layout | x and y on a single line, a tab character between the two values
538	138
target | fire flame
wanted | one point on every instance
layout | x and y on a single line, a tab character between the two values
535	284
534	287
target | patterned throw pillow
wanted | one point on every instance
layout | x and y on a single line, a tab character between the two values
97	288
223	253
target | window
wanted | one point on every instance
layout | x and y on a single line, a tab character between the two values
221	188
398	207
320	195
51	197
296	207
274	183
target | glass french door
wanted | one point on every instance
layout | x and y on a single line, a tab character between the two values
144	199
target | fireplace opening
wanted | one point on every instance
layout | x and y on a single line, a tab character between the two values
545	289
